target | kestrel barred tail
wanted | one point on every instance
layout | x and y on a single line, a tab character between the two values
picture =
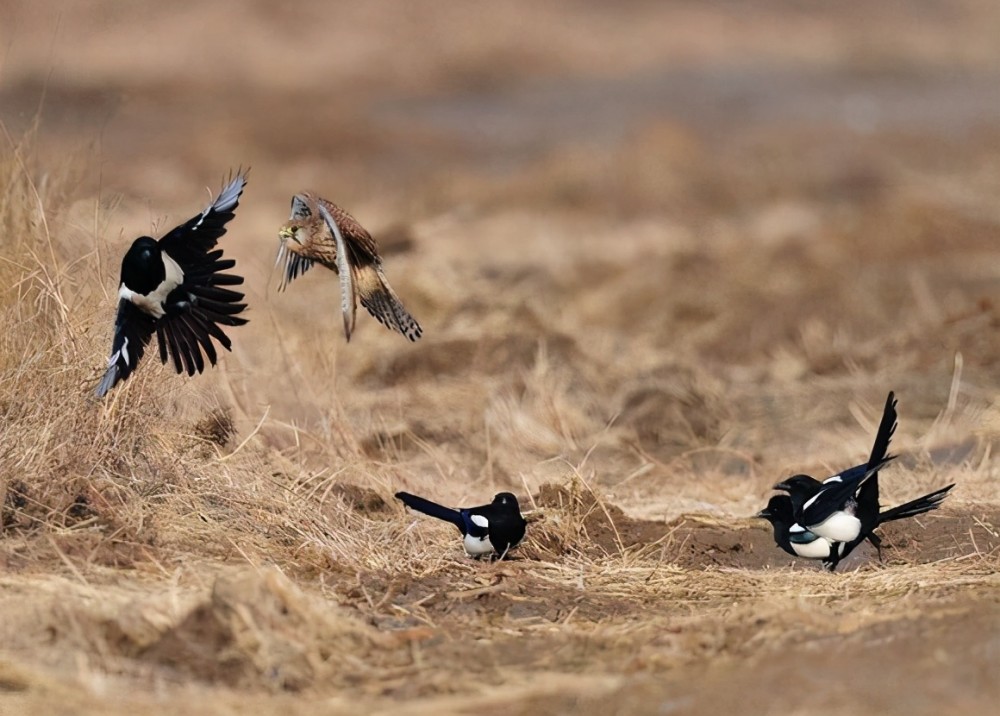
173	287
320	231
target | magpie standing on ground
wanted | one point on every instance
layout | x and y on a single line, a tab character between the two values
174	288
831	508
492	529
827	520
807	544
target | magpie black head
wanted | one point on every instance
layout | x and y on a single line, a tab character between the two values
778	510
508	500
142	267
799	484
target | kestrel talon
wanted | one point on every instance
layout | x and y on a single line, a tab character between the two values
319	231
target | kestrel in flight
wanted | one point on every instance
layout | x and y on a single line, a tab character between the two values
173	287
320	231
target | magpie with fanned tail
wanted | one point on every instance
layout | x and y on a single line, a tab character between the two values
487	531
175	288
828	520
830	509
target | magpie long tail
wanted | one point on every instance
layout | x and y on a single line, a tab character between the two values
886	429
433	509
928	502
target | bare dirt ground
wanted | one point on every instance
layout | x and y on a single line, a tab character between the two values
664	254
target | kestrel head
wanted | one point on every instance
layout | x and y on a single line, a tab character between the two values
293	230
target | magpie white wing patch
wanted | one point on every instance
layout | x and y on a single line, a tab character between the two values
227	198
811	501
480	521
133	330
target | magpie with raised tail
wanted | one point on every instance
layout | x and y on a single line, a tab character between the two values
807	544
828	520
487	531
174	287
831	509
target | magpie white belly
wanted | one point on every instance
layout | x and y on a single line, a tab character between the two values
838	527
152	302
817	549
477	547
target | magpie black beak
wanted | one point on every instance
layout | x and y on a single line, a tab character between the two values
763	514
782	486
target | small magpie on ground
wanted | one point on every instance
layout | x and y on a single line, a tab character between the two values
173	287
488	530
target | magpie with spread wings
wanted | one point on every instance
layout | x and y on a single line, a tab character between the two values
174	287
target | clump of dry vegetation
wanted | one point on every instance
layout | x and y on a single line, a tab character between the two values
636	336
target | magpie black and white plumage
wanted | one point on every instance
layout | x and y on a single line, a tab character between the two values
488	530
831	509
174	288
828	520
809	545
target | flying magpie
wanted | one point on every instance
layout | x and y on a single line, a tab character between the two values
488	530
174	288
831	508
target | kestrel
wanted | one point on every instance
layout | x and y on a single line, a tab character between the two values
173	287
320	231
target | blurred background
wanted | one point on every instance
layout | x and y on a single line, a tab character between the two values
686	245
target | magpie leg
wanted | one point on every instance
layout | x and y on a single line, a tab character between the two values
877	542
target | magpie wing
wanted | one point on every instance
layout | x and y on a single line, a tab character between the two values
851	474
133	331
188	243
835	494
476	524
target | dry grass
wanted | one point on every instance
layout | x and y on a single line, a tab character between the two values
637	336
154	546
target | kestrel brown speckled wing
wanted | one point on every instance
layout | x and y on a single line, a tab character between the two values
363	247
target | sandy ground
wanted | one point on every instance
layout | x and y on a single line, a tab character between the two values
664	254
